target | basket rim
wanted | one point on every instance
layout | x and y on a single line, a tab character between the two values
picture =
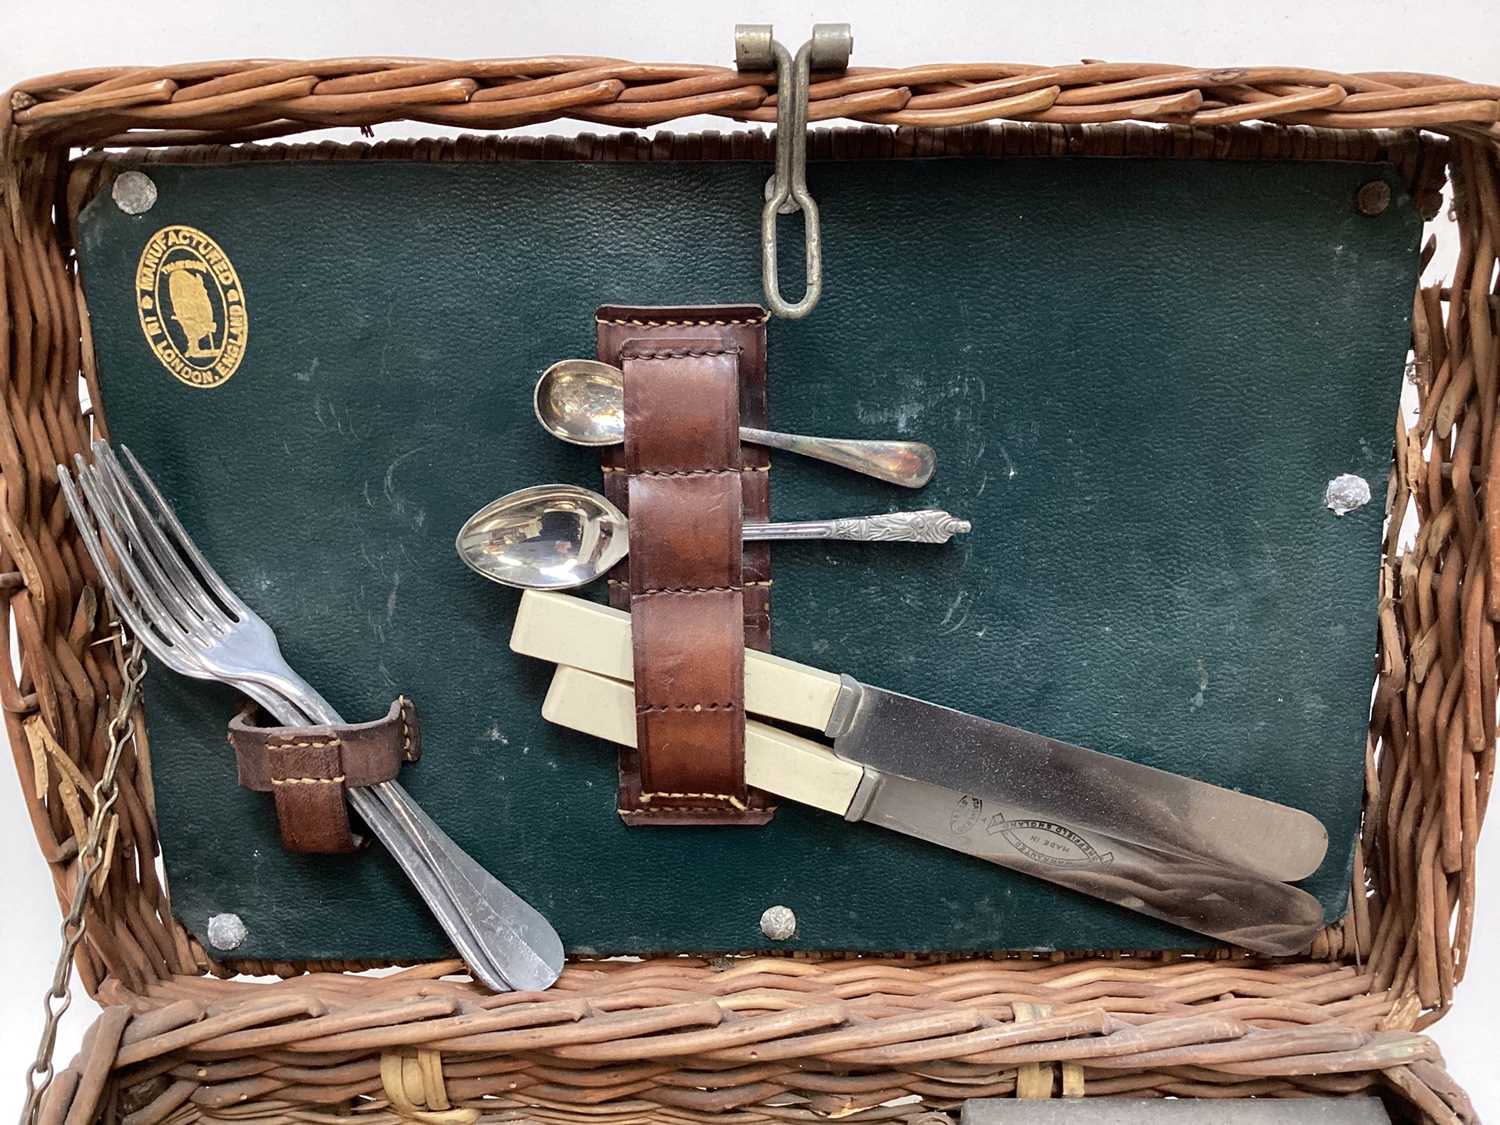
250	99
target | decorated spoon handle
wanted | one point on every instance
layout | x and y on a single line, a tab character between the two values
907	463
928	526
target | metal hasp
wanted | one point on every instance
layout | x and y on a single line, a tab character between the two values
755	48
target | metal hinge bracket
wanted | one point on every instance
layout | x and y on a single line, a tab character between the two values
756	48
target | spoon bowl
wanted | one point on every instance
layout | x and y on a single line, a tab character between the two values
550	537
582	402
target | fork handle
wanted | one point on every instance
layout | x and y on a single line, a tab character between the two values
517	948
503	939
434	890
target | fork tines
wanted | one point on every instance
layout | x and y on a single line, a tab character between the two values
162	586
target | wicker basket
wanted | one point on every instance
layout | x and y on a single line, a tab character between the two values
765	1039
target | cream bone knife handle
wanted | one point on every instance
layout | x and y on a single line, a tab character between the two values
1225	903
1099	792
907	463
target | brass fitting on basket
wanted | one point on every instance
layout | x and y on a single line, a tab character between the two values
756	48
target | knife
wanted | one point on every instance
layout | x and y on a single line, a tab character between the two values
900	736
1230	904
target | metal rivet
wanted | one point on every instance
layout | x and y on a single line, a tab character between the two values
1373	198
1345	493
134	193
778	923
226	931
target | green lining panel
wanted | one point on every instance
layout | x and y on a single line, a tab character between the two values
1139	376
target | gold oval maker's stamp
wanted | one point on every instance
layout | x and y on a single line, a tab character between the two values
192	306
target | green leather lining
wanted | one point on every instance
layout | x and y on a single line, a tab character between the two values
1139	376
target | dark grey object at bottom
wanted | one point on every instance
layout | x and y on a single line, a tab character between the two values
1154	1111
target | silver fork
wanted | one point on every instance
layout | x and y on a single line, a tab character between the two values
192	622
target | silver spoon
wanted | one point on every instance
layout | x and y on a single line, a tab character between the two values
560	536
582	402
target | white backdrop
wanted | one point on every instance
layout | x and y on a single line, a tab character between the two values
1454	37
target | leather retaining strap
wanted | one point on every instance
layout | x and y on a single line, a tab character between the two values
308	769
695	598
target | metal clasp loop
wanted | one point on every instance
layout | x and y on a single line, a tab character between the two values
755	48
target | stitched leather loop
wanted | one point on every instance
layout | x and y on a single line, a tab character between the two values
307	769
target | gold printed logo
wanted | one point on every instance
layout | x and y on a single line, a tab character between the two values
192	306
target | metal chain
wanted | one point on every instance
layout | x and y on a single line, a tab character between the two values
106	791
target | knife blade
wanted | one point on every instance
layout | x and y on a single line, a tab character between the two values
896	734
1226	903
899	735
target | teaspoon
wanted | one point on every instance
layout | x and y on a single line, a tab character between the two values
560	536
582	402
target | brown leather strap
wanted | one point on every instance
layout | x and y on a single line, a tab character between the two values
308	769
740	326
681	478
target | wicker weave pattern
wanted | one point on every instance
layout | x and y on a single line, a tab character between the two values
841	1036
672	1039
261	98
